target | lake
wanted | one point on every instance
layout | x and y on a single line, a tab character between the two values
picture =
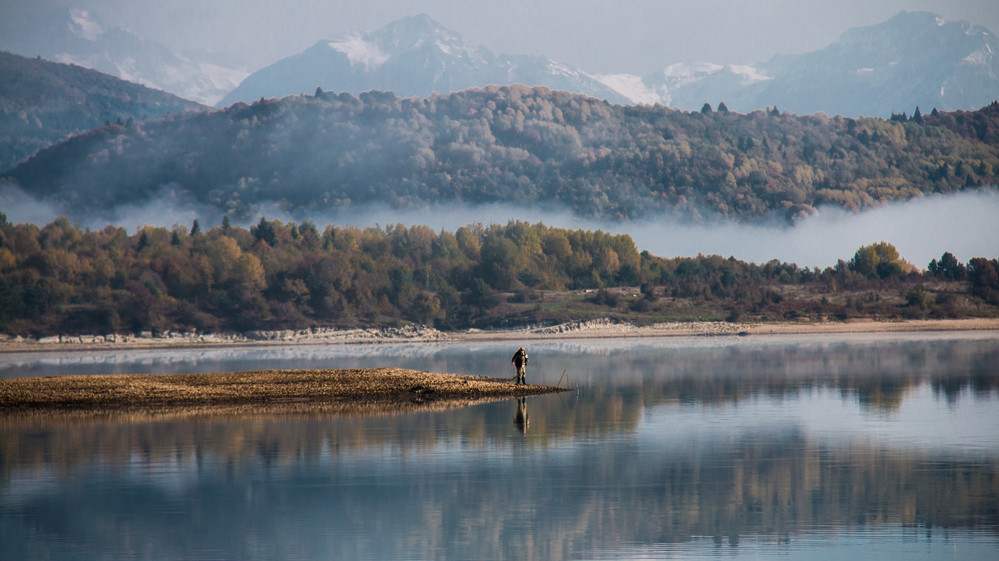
838	447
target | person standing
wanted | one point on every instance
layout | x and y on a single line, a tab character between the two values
519	362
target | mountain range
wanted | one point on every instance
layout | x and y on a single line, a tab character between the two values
876	71
913	59
413	56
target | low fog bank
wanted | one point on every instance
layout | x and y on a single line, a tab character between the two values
964	224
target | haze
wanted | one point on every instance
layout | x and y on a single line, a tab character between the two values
921	229
632	36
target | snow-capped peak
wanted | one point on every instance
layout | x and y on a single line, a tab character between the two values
82	25
631	87
749	74
683	73
360	52
413	31
981	57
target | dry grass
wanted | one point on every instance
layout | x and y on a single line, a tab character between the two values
356	391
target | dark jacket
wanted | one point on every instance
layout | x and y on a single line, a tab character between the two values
520	358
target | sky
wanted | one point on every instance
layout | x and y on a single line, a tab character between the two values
597	36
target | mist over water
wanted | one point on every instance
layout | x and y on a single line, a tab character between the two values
964	224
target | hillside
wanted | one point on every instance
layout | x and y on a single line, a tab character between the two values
512	145
79	36
42	103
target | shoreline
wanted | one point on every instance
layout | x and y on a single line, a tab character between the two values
574	330
362	391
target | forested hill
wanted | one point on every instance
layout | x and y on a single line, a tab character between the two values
516	145
43	102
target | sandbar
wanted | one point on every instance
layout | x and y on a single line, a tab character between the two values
334	391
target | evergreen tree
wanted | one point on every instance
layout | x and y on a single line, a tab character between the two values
264	231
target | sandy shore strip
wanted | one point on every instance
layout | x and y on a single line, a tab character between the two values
598	328
346	392
603	328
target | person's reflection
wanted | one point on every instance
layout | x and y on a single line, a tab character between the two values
520	418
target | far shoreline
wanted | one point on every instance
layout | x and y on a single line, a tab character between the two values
596	329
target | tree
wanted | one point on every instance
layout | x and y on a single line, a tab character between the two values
264	231
983	276
426	309
917	298
879	260
501	262
706	108
948	267
722	108
143	241
468	243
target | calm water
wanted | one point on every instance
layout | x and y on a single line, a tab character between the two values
846	447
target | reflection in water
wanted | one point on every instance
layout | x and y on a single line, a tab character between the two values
520	417
840	450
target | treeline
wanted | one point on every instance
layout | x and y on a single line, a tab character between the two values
516	145
59	279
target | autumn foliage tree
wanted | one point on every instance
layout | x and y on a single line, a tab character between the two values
59	279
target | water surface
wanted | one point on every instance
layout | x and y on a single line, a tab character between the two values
833	447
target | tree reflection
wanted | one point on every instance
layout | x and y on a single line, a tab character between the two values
533	507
